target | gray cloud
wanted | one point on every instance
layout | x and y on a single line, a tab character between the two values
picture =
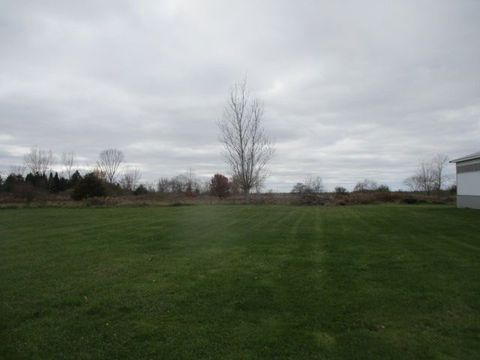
352	89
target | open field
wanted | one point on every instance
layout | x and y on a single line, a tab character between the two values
240	282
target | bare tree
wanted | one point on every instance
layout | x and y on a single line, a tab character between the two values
130	179
429	176
164	185
247	147
438	166
68	161
366	185
38	160
109	162
311	185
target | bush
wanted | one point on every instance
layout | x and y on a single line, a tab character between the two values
89	186
410	200
219	186
141	190
383	188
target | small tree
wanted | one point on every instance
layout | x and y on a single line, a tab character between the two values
109	162
340	190
219	186
130	179
89	186
140	190
365	185
298	188
383	188
164	185
312	185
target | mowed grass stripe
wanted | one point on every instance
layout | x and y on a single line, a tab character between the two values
236	282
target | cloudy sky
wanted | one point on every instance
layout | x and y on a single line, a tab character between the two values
352	89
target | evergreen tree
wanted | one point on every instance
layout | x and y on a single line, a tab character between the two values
89	186
63	184
38	180
50	182
75	179
54	183
11	181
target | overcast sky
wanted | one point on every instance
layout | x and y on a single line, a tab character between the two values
352	89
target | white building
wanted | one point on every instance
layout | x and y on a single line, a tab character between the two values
468	181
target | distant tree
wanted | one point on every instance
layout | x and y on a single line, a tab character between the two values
383	188
365	185
75	179
12	181
64	184
429	176
68	161
38	160
439	162
54	183
130	179
312	185
89	186
219	186
37	180
340	190
140	190
248	149
109	162
1	183
298	188
164	185
178	184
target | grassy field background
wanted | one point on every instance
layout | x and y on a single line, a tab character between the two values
240	282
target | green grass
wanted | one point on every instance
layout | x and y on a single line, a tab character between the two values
240	282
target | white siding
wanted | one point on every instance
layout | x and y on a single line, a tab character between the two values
468	183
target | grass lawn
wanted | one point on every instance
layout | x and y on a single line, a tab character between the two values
240	282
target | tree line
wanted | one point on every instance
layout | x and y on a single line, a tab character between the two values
247	152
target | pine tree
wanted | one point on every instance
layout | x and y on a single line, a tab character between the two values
54	183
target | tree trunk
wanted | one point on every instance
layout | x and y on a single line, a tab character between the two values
247	196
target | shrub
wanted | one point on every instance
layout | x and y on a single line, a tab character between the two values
140	190
383	188
219	186
89	186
